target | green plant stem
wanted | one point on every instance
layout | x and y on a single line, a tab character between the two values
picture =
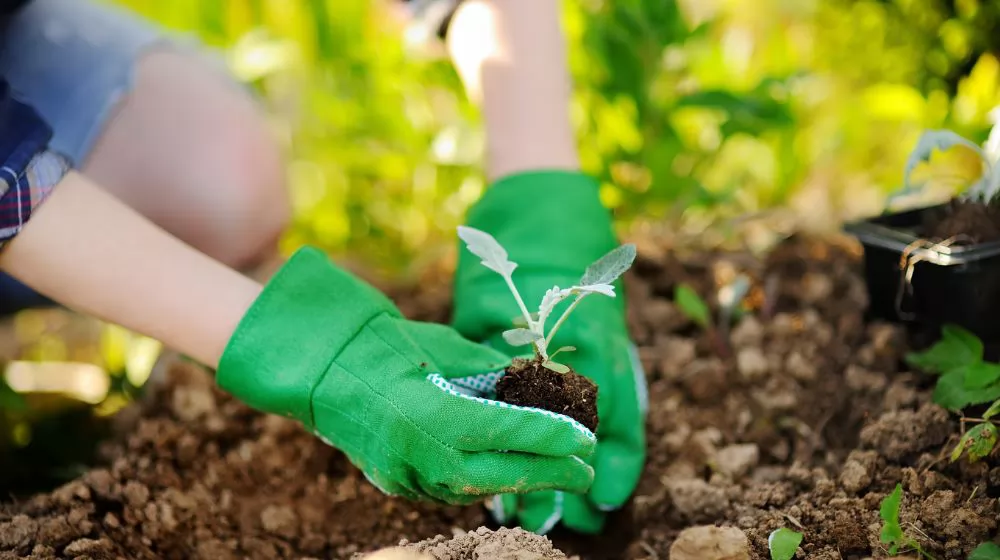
563	317
520	302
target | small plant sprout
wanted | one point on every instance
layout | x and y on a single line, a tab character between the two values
984	189
530	328
986	551
892	532
783	542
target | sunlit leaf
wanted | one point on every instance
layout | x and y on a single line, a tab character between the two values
930	142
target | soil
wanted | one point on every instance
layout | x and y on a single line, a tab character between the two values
967	222
528	383
809	425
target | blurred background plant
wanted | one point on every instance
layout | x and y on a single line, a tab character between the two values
707	121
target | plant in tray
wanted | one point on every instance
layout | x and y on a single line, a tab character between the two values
541	381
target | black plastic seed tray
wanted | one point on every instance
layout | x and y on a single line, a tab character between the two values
915	281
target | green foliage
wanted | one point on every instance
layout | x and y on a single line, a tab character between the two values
690	113
693	306
892	533
986	551
978	442
783	543
956	348
966	379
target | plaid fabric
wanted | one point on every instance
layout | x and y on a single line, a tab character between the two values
28	171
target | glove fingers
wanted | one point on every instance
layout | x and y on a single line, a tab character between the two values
538	512
484	425
617	467
487	474
580	516
451	353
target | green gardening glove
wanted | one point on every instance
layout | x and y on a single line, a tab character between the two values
320	346
553	225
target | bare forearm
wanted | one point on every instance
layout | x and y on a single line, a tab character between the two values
88	251
511	55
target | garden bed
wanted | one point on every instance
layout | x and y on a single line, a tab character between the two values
808	423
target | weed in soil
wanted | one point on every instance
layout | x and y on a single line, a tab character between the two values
529	383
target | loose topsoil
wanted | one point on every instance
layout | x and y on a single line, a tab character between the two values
528	383
966	222
810	423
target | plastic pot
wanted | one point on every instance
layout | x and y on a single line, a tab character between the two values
925	284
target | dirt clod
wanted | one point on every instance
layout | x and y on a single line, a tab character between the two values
711	543
502	544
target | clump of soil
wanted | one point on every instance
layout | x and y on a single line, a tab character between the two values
809	424
502	544
529	383
969	222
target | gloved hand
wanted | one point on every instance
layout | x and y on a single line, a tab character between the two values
553	225
325	348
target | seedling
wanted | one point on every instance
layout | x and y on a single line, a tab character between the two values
697	310
966	379
598	278
983	190
783	542
542	382
892	532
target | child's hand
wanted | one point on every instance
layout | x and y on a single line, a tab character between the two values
323	347
553	226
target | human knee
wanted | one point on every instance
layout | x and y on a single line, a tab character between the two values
254	208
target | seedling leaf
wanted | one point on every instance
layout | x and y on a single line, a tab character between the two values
486	247
950	392
986	551
553	296
783	543
520	337
603	289
892	532
978	442
992	411
608	268
692	305
981	374
931	141
957	347
562	349
555	366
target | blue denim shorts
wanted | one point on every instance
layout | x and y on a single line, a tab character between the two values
73	61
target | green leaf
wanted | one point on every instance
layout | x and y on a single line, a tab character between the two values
520	337
978	442
555	366
992	411
692	305
783	543
889	512
986	551
951	393
608	268
931	141
957	347
981	374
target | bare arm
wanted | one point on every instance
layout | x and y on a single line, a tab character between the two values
88	251
511	55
